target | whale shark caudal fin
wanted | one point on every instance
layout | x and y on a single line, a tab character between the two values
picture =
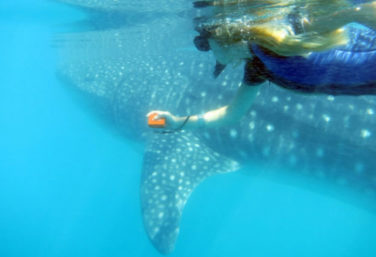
174	164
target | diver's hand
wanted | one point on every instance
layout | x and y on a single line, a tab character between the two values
172	122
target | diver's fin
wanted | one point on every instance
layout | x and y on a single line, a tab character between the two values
219	67
202	4
174	164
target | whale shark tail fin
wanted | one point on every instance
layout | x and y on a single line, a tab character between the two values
174	164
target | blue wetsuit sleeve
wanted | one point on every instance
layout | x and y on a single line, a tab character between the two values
254	72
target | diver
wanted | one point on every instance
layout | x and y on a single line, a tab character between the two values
293	49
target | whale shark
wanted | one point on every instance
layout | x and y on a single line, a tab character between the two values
125	71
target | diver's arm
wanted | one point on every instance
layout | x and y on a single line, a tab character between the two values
215	118
364	13
227	114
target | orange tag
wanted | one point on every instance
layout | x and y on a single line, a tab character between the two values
160	123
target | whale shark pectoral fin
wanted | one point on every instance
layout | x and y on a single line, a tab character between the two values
174	164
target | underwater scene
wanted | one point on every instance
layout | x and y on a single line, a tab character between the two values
82	173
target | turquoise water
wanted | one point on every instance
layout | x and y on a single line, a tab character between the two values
69	186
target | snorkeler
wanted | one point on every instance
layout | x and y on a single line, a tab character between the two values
295	54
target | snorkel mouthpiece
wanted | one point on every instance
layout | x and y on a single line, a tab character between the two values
201	43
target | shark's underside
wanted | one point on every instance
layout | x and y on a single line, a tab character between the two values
128	71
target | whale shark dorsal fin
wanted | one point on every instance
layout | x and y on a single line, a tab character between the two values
174	164
219	67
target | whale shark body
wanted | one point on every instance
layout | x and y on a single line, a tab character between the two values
126	71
